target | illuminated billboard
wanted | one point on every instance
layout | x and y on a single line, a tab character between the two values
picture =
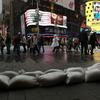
96	10
46	19
93	15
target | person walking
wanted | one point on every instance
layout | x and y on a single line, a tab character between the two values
41	43
55	43
24	42
2	44
83	38
16	43
92	41
34	44
8	43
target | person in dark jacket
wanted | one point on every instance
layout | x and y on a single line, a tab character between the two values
2	43
8	43
41	43
16	43
92	41
83	38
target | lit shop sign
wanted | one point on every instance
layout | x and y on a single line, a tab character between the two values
30	17
45	19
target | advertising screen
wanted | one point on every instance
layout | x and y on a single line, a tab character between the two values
45	19
56	19
30	17
93	15
69	4
97	10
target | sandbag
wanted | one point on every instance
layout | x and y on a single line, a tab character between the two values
53	70
4	82
52	78
34	73
72	69
92	75
94	66
75	77
10	74
23	81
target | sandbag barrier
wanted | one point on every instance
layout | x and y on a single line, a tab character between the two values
51	77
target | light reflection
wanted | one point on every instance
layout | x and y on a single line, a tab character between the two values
96	56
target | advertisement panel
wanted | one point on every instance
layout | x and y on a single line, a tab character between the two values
69	4
93	15
45	19
96	20
56	19
30	17
97	10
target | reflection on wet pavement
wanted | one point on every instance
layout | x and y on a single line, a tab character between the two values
46	60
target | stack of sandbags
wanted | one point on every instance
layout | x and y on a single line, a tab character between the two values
51	77
92	73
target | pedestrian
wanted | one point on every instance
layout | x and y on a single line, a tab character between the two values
70	43
55	43
8	42
28	42
93	41
62	43
24	42
41	43
35	44
2	44
83	38
16	43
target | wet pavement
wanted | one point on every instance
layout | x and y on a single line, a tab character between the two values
47	60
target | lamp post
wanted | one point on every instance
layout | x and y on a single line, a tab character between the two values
37	14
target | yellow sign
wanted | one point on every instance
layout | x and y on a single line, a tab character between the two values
34	29
92	12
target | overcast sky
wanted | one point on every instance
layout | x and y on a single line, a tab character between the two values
0	6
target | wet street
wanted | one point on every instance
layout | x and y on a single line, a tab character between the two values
47	60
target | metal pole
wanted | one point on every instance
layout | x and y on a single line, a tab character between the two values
37	4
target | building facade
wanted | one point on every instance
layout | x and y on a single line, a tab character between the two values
16	8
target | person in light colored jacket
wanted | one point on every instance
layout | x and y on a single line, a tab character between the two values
55	43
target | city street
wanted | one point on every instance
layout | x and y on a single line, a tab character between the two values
69	30
49	60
